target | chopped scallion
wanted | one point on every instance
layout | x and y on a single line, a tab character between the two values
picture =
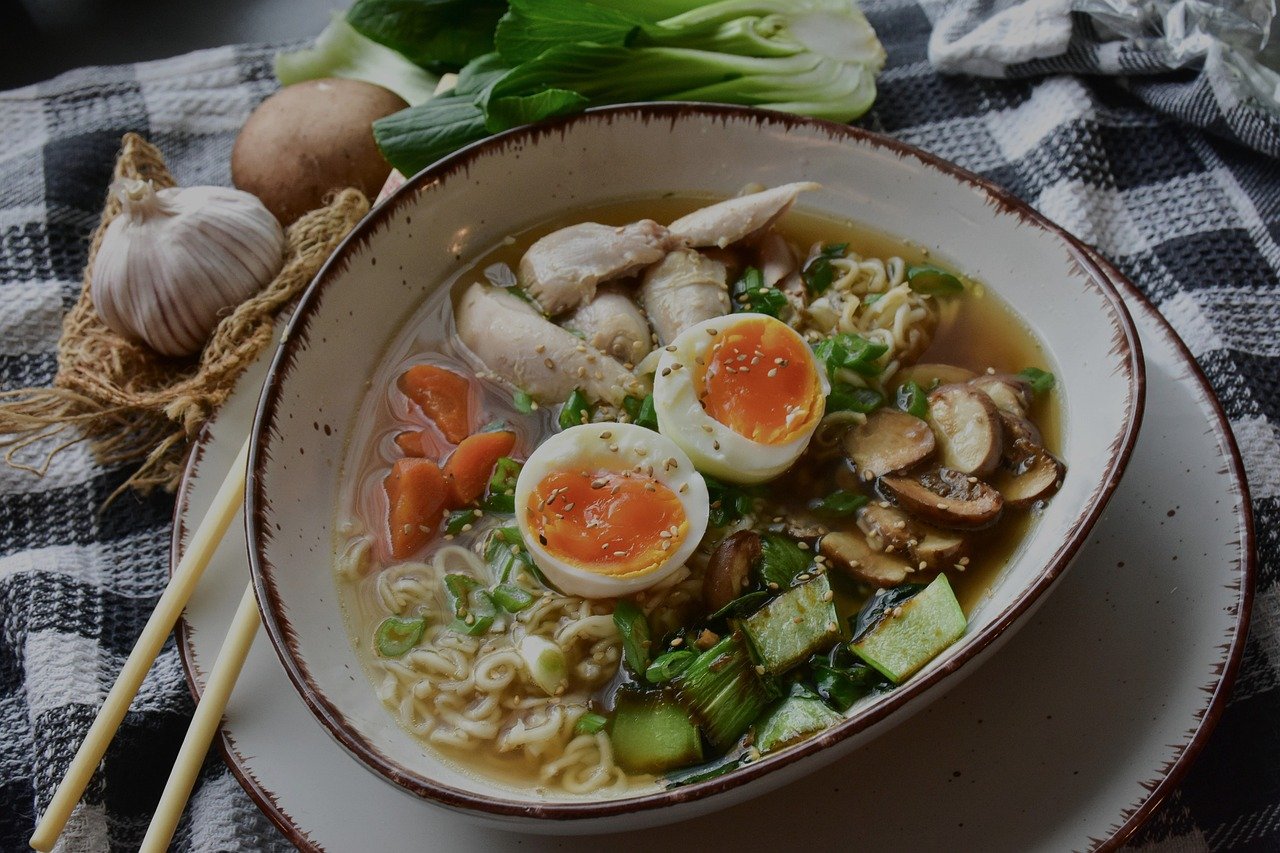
913	400
933	281
523	402
668	665
576	410
590	723
634	628
458	519
1041	381
851	398
511	598
470	603
396	635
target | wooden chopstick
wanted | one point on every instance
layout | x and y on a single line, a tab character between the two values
222	680
225	507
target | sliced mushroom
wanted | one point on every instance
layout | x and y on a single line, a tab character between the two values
1036	479
1011	394
888	441
1020	436
967	426
946	498
887	528
938	549
851	553
729	569
562	269
929	376
729	221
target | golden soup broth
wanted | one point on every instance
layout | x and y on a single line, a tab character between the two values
984	334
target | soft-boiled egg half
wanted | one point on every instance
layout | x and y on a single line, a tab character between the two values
741	394
610	509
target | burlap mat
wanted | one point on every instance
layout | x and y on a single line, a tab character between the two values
132	404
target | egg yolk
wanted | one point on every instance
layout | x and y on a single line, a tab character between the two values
760	382
609	522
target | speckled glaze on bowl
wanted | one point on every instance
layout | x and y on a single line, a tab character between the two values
455	210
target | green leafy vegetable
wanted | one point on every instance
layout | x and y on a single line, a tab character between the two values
470	603
576	410
818	272
442	35
741	606
750	294
811	57
590	723
634	629
641	411
852	398
912	399
839	504
882	601
396	635
511	598
781	560
1041	380
846	351
728	502
703	772
668	665
933	281
841	679
340	51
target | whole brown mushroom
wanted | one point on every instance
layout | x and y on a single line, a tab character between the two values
309	139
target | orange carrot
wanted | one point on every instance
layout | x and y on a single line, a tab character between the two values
412	442
416	496
443	396
468	468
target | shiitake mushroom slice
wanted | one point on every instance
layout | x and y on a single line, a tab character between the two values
1011	394
888	441
1028	473
947	498
887	528
851	553
938	549
967	427
729	569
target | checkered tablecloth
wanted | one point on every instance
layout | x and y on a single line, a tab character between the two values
1172	195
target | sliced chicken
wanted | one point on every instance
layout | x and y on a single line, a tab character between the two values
613	324
562	270
683	289
774	258
531	353
727	222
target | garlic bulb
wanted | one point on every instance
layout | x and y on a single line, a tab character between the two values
175	260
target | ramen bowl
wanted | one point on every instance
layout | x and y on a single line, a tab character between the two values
453	212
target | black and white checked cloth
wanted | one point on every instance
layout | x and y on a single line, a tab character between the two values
1192	216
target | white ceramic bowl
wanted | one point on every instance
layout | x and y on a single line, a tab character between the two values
455	210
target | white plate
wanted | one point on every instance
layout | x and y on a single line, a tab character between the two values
1065	740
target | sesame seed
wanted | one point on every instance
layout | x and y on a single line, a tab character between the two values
828	595
607	434
613	448
549	364
798	620
619	553
832	627
715	445
706	428
923	565
803	546
569	507
773	371
684	487
941	505
540	349
712	332
666	371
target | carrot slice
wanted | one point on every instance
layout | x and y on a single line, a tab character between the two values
443	396
412	442
416	496
468	468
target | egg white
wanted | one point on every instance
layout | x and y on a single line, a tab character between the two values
586	447
715	448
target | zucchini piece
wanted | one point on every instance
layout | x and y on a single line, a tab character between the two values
723	692
794	625
651	733
795	719
913	633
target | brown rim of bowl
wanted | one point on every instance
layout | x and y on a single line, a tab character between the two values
268	802
282	636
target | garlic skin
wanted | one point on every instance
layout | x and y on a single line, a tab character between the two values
175	260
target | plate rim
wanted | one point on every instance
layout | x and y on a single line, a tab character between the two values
1125	343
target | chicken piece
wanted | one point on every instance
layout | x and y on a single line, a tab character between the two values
613	324
562	270
774	258
683	289
533	354
727	222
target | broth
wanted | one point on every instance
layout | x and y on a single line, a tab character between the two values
984	335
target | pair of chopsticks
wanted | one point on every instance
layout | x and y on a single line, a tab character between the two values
222	678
